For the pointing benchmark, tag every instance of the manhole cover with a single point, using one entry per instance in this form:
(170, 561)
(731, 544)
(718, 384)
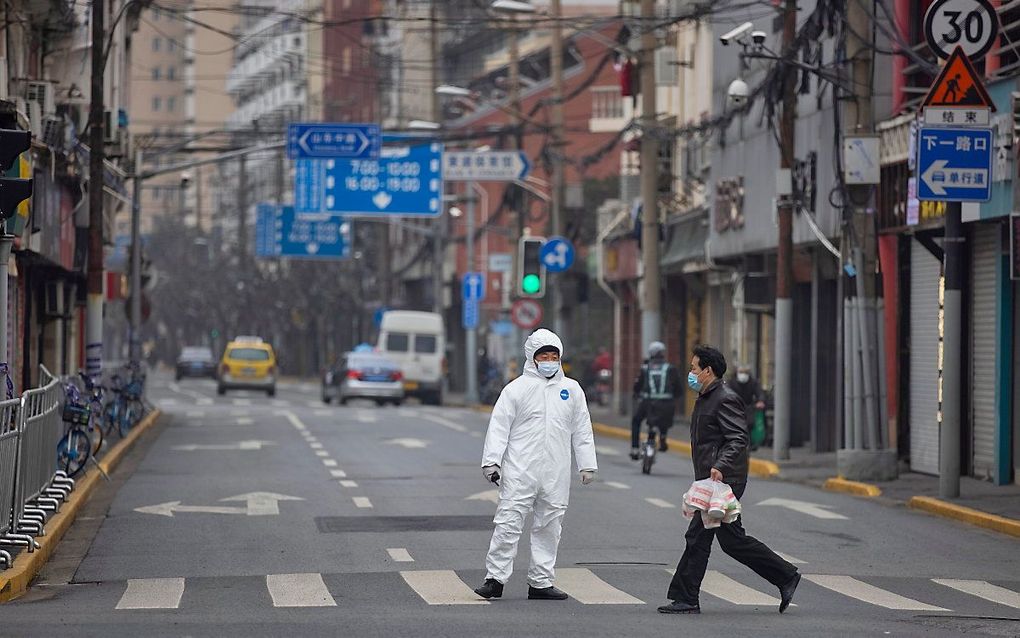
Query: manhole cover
(342, 524)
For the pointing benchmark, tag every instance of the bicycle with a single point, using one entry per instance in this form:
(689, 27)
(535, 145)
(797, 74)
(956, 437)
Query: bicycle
(648, 450)
(75, 448)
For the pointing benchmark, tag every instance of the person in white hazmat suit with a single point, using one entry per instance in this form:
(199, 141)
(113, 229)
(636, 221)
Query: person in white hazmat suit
(538, 419)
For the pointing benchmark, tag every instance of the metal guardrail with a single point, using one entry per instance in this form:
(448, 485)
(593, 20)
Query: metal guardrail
(9, 439)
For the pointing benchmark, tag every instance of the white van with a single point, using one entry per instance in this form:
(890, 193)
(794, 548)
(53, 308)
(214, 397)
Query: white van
(416, 341)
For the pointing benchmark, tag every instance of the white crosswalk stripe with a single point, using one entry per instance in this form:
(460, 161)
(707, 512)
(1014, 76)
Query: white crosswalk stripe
(349, 483)
(299, 590)
(618, 485)
(400, 555)
(152, 593)
(442, 587)
(363, 502)
(585, 587)
(722, 586)
(983, 589)
(658, 502)
(793, 560)
(862, 591)
(242, 401)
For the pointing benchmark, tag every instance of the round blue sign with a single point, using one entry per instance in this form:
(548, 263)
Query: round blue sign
(557, 254)
(564, 395)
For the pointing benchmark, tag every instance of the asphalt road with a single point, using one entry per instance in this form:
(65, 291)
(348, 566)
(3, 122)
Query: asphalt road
(251, 516)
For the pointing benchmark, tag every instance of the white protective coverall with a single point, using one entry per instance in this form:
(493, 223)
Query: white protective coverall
(534, 425)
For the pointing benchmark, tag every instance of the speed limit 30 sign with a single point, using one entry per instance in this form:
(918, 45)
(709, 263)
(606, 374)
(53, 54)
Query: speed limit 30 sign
(971, 25)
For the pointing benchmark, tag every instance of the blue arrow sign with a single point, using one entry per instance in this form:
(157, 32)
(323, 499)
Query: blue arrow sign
(473, 286)
(281, 232)
(325, 140)
(954, 164)
(405, 180)
(557, 254)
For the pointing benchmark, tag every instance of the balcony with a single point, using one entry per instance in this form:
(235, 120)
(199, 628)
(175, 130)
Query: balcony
(276, 53)
(277, 103)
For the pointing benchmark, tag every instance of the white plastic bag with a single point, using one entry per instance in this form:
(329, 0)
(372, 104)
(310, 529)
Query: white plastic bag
(714, 501)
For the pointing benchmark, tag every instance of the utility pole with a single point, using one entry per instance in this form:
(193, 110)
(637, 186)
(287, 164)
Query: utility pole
(784, 261)
(242, 211)
(471, 336)
(520, 196)
(135, 340)
(437, 226)
(651, 307)
(94, 277)
(558, 149)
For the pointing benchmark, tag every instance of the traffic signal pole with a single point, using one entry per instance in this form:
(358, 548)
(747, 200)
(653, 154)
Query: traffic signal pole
(558, 177)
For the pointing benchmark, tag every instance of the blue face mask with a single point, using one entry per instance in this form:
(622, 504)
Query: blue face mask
(548, 369)
(692, 380)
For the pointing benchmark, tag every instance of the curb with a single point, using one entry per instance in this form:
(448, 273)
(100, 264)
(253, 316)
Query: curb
(965, 514)
(14, 581)
(846, 486)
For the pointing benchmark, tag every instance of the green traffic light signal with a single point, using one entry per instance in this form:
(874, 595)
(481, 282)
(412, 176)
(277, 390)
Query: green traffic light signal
(531, 284)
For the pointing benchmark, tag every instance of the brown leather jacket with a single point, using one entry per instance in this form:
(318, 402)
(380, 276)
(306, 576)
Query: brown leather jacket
(719, 436)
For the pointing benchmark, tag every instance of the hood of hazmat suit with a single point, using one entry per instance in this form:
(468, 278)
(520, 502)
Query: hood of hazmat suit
(535, 425)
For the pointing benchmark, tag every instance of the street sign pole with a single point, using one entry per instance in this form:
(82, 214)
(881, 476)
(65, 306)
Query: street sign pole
(471, 336)
(952, 343)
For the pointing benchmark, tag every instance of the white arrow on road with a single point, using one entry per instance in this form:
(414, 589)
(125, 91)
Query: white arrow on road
(409, 443)
(240, 445)
(489, 495)
(811, 509)
(939, 187)
(256, 504)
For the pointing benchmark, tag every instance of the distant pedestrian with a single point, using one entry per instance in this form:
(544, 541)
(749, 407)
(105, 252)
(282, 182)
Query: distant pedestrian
(751, 395)
(719, 439)
(538, 420)
(658, 389)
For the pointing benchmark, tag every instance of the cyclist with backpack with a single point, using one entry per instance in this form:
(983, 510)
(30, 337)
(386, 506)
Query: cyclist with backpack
(658, 390)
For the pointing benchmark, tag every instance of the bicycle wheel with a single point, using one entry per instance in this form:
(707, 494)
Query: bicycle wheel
(96, 434)
(109, 417)
(73, 452)
(127, 418)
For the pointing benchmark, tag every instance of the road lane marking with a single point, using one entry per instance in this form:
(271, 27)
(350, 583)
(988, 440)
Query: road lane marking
(408, 443)
(242, 401)
(240, 445)
(204, 401)
(793, 560)
(849, 586)
(296, 422)
(607, 451)
(196, 415)
(364, 417)
(399, 555)
(338, 474)
(477, 435)
(724, 587)
(245, 420)
(618, 485)
(299, 590)
(983, 589)
(281, 403)
(349, 483)
(363, 502)
(488, 495)
(322, 453)
(329, 462)
(315, 446)
(446, 423)
(585, 587)
(309, 437)
(321, 412)
(811, 509)
(152, 593)
(442, 587)
(658, 502)
(240, 412)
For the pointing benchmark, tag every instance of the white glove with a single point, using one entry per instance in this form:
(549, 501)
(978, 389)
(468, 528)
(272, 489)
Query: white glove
(489, 471)
(587, 476)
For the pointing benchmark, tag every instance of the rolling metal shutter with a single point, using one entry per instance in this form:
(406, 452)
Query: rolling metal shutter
(983, 285)
(925, 271)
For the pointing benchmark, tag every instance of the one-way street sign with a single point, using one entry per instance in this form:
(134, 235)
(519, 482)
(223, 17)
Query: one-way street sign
(955, 164)
(488, 166)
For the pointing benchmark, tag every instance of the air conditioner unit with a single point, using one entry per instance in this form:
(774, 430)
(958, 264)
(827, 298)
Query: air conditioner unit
(42, 94)
(53, 131)
(53, 300)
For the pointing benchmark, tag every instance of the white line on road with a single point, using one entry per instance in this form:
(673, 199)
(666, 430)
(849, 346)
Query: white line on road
(442, 587)
(245, 420)
(196, 415)
(658, 502)
(618, 485)
(983, 589)
(724, 587)
(193, 395)
(607, 451)
(811, 509)
(204, 401)
(315, 446)
(321, 412)
(585, 587)
(314, 404)
(309, 437)
(849, 586)
(296, 422)
(281, 403)
(299, 590)
(240, 412)
(242, 401)
(329, 462)
(152, 593)
(349, 483)
(362, 502)
(322, 453)
(364, 417)
(793, 560)
(400, 555)
(446, 423)
(338, 474)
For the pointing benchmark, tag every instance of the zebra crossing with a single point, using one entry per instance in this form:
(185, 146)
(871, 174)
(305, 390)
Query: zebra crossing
(447, 587)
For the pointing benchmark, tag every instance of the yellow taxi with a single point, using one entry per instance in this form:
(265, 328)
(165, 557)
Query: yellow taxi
(248, 363)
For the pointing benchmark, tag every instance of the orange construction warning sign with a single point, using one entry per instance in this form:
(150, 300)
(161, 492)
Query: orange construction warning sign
(958, 85)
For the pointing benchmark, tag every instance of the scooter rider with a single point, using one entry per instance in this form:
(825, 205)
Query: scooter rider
(658, 387)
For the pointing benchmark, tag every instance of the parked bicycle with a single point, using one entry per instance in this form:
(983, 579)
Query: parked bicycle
(76, 446)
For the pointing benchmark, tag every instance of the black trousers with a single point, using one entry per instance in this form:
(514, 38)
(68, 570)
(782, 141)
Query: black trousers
(659, 414)
(686, 583)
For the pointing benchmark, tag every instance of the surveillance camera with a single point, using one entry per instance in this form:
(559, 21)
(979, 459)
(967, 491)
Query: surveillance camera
(758, 37)
(738, 32)
(738, 92)
(185, 179)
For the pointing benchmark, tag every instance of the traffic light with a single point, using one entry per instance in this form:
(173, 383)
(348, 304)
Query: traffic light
(532, 281)
(13, 190)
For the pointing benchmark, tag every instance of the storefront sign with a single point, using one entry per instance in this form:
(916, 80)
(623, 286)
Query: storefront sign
(920, 212)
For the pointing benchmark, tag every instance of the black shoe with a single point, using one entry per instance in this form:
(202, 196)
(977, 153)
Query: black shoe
(679, 607)
(662, 445)
(786, 592)
(635, 454)
(491, 589)
(545, 593)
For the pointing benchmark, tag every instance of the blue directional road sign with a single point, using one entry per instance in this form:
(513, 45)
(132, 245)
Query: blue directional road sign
(557, 254)
(282, 232)
(473, 286)
(321, 140)
(954, 164)
(469, 314)
(404, 181)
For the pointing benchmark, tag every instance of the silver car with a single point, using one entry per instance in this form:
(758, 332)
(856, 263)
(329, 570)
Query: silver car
(363, 375)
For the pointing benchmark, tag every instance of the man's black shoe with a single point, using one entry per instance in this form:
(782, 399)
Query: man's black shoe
(545, 593)
(662, 444)
(786, 592)
(679, 607)
(491, 589)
